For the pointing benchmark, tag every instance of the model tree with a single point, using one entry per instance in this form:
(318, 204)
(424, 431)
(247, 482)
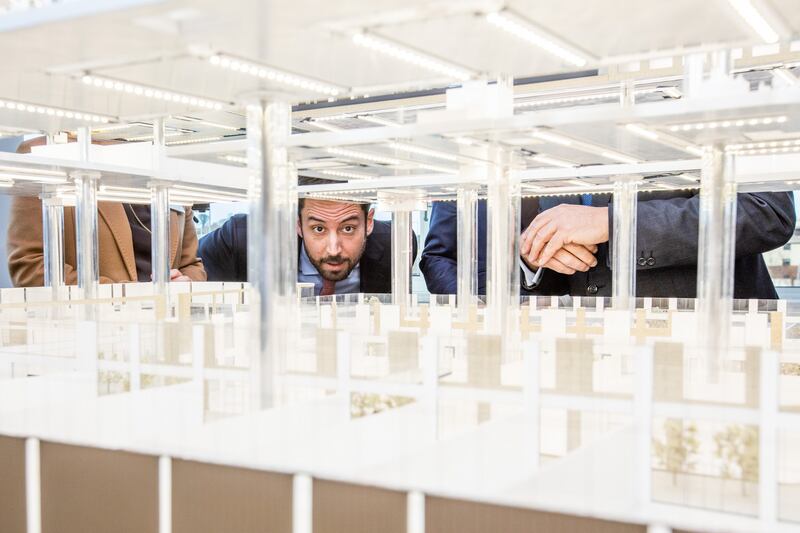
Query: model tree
(737, 447)
(680, 444)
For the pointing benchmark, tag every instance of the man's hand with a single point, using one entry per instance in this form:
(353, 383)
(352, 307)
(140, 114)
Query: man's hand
(570, 259)
(177, 275)
(563, 225)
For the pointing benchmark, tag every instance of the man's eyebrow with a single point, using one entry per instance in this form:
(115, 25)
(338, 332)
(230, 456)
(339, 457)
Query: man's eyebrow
(315, 219)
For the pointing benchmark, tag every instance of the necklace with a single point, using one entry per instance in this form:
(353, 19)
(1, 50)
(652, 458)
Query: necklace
(138, 219)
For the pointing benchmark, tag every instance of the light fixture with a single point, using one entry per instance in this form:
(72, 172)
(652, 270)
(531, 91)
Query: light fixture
(15, 105)
(786, 75)
(150, 137)
(378, 120)
(153, 93)
(672, 92)
(20, 175)
(346, 174)
(552, 137)
(528, 32)
(769, 151)
(552, 161)
(196, 140)
(324, 125)
(6, 183)
(763, 144)
(421, 150)
(755, 20)
(663, 138)
(276, 75)
(730, 123)
(207, 123)
(641, 131)
(583, 146)
(616, 156)
(409, 55)
(234, 159)
(365, 156)
(383, 160)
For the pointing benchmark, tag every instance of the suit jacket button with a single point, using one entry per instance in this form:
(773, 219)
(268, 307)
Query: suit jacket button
(591, 289)
(641, 261)
(651, 261)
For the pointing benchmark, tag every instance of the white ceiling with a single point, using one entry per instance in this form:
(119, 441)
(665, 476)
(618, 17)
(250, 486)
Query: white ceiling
(151, 43)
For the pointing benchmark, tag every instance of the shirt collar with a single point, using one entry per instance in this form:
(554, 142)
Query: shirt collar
(307, 268)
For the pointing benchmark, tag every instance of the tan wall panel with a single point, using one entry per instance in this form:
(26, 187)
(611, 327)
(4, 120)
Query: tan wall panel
(12, 485)
(213, 499)
(455, 516)
(345, 508)
(89, 490)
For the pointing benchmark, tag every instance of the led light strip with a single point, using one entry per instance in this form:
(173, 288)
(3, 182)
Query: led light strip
(346, 174)
(153, 93)
(234, 159)
(552, 161)
(414, 57)
(376, 158)
(19, 175)
(167, 135)
(589, 97)
(524, 30)
(208, 123)
(378, 120)
(54, 111)
(737, 123)
(787, 76)
(583, 146)
(197, 140)
(755, 20)
(769, 151)
(761, 145)
(420, 150)
(668, 140)
(282, 77)
(5, 184)
(365, 156)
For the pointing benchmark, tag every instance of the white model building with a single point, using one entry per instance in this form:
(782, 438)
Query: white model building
(164, 407)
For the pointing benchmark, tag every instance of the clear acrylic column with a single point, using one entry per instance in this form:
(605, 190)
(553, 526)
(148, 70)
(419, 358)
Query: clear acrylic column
(86, 232)
(159, 215)
(86, 220)
(159, 239)
(717, 241)
(53, 240)
(623, 246)
(272, 245)
(502, 242)
(402, 256)
(467, 239)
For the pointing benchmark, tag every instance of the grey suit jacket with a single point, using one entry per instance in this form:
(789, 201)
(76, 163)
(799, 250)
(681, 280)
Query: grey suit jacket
(666, 244)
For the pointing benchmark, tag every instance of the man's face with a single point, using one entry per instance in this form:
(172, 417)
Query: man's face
(334, 235)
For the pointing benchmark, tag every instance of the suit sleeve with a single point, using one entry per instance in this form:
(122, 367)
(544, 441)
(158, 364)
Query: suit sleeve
(668, 229)
(438, 263)
(191, 265)
(217, 251)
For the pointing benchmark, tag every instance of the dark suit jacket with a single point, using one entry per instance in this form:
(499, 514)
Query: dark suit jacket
(666, 241)
(224, 253)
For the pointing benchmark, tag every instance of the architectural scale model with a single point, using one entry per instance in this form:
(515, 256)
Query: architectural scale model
(203, 407)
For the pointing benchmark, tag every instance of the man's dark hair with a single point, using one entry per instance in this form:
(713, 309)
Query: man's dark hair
(309, 180)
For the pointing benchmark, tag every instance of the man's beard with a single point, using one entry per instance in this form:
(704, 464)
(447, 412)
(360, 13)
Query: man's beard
(337, 259)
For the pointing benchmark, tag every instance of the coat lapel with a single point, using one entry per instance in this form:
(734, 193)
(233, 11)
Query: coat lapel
(175, 231)
(113, 214)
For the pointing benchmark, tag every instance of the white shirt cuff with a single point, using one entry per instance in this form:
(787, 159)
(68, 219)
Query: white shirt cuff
(532, 278)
